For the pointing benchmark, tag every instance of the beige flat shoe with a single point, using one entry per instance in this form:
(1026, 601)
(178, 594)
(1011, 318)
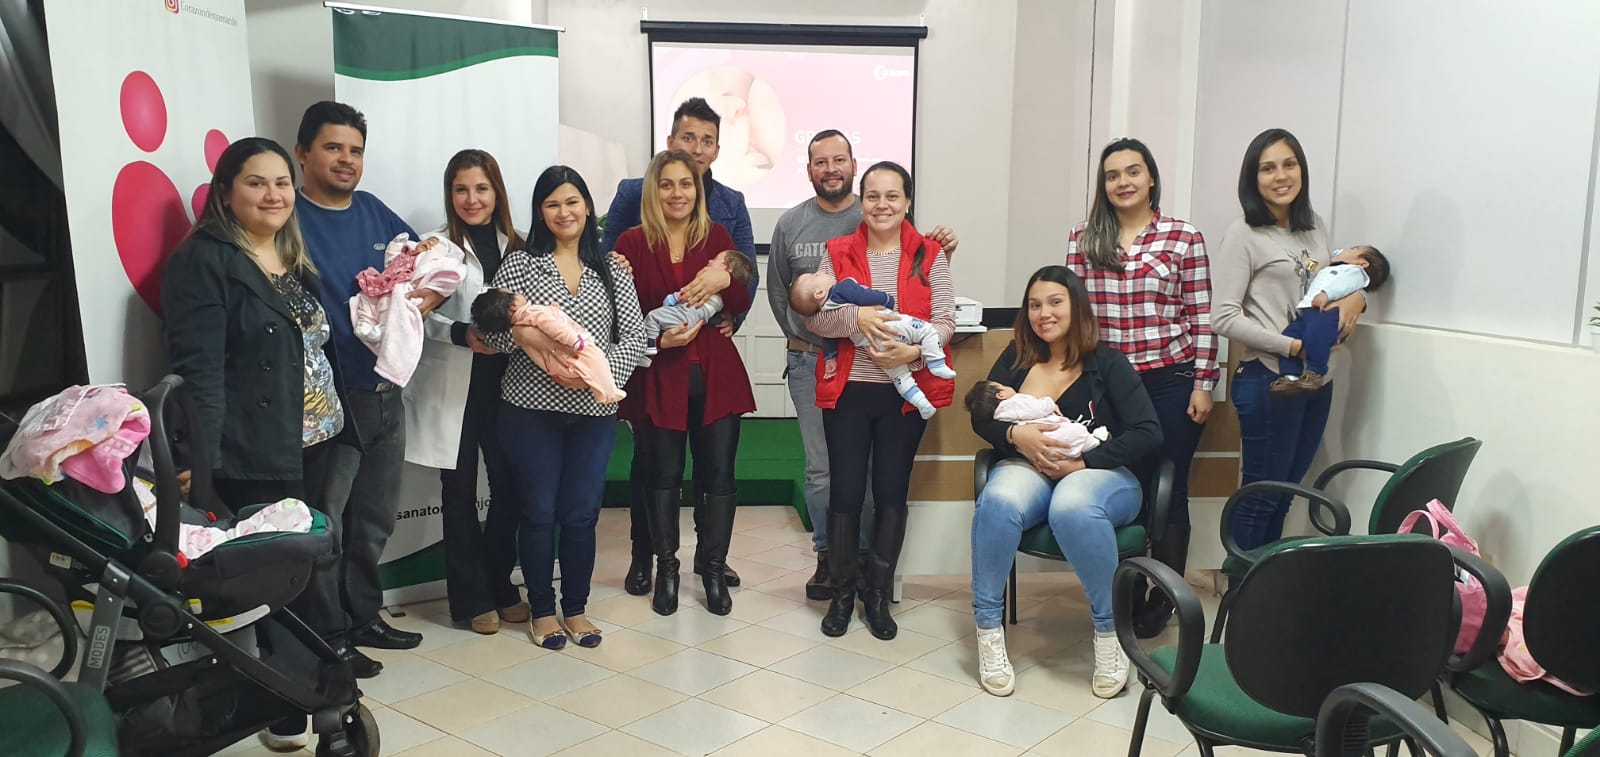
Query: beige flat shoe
(486, 623)
(517, 613)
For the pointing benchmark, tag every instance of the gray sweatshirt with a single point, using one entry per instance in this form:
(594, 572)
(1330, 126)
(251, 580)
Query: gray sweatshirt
(1258, 276)
(799, 240)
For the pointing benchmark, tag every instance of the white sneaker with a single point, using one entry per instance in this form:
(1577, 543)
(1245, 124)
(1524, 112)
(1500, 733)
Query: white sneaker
(1111, 667)
(994, 667)
(283, 743)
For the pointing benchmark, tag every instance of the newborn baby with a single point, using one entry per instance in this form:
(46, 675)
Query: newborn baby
(674, 313)
(384, 315)
(989, 400)
(501, 310)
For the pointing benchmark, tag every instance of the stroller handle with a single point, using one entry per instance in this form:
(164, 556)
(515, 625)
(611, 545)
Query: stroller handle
(169, 494)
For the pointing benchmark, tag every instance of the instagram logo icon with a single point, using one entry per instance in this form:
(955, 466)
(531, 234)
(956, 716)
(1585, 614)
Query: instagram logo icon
(172, 6)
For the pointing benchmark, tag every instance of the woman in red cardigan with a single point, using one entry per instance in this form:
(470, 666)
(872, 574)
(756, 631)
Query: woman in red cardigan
(696, 387)
(862, 413)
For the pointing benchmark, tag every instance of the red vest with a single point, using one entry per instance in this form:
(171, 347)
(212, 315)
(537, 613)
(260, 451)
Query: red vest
(913, 297)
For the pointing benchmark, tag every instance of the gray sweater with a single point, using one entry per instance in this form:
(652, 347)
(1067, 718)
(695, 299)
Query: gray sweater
(1258, 276)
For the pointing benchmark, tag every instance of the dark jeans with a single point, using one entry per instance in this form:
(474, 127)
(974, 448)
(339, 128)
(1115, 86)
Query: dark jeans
(360, 492)
(867, 421)
(1318, 332)
(558, 474)
(1169, 389)
(714, 446)
(1278, 435)
(318, 604)
(478, 557)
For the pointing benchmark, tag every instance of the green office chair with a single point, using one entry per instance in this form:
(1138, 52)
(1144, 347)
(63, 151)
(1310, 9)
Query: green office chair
(43, 716)
(1344, 725)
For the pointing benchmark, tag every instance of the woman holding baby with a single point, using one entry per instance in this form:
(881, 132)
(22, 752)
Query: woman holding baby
(556, 436)
(1057, 353)
(695, 387)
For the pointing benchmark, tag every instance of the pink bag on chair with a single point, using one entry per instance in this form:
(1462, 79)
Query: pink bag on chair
(1515, 657)
(1474, 603)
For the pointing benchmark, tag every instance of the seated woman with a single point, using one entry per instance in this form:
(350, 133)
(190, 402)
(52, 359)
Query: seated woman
(1057, 353)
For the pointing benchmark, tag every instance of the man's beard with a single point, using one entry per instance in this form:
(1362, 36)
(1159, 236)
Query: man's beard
(832, 195)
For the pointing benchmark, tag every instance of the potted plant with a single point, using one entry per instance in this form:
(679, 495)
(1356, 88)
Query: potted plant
(1594, 328)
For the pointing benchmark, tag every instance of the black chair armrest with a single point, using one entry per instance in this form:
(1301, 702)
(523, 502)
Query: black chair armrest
(28, 675)
(1159, 500)
(1319, 500)
(63, 619)
(1348, 706)
(1346, 465)
(1191, 623)
(981, 460)
(1498, 593)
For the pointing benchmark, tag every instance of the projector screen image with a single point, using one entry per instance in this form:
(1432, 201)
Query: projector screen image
(773, 99)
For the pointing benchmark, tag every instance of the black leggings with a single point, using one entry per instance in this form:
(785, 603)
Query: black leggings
(868, 424)
(714, 445)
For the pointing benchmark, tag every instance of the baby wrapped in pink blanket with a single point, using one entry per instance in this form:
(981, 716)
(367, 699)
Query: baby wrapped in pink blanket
(991, 400)
(501, 310)
(384, 314)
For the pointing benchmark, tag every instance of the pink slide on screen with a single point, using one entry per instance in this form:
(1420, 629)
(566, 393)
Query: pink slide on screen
(773, 101)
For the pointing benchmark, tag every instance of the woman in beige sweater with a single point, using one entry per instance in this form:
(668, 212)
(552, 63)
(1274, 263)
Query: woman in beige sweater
(1259, 274)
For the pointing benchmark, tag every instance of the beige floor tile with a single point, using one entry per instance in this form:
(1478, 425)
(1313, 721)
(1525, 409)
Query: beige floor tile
(911, 691)
(1005, 719)
(1090, 738)
(618, 701)
(695, 727)
(777, 741)
(549, 676)
(1060, 683)
(757, 646)
(752, 573)
(690, 626)
(752, 606)
(409, 676)
(533, 731)
(939, 622)
(624, 610)
(448, 746)
(852, 723)
(485, 654)
(744, 545)
(625, 650)
(616, 744)
(907, 645)
(831, 667)
(767, 695)
(399, 732)
(791, 586)
(693, 671)
(942, 740)
(788, 557)
(957, 662)
(805, 621)
(454, 709)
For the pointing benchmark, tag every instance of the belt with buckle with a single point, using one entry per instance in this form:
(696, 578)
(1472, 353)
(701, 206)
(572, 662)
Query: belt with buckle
(384, 386)
(801, 345)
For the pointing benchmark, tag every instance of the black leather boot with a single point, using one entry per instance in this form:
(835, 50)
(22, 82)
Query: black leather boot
(1173, 551)
(820, 586)
(728, 576)
(711, 552)
(888, 535)
(637, 582)
(844, 530)
(662, 508)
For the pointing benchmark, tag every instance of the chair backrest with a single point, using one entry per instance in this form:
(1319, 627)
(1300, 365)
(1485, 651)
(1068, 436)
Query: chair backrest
(1434, 473)
(1561, 618)
(1315, 615)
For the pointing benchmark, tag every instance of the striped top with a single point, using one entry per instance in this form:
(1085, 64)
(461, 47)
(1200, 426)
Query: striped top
(536, 277)
(840, 323)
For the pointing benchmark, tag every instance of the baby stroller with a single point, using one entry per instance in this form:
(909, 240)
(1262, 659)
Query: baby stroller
(192, 655)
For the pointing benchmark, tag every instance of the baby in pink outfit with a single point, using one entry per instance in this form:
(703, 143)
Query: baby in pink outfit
(384, 314)
(503, 310)
(991, 400)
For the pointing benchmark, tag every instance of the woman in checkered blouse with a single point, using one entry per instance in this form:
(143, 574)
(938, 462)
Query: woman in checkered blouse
(1150, 286)
(556, 437)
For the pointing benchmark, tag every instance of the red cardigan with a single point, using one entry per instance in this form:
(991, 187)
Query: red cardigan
(660, 394)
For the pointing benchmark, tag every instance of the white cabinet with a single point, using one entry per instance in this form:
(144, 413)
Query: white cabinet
(765, 351)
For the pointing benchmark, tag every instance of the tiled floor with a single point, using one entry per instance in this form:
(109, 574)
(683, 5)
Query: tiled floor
(762, 681)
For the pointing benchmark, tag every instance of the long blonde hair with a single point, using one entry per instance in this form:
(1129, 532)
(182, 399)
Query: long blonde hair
(651, 215)
(219, 219)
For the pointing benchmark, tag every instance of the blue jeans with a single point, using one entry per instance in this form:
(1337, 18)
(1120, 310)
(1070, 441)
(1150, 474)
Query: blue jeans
(1278, 437)
(558, 473)
(1084, 509)
(802, 376)
(1170, 389)
(1318, 332)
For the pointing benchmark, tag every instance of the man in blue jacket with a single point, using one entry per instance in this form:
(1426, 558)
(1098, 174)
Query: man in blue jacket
(695, 130)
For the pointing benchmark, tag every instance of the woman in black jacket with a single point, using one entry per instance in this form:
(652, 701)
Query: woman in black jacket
(248, 337)
(1057, 353)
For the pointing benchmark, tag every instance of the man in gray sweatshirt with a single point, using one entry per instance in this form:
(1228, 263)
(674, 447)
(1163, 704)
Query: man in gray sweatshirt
(799, 240)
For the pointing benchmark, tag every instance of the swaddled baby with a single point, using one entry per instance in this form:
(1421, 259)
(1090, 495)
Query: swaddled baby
(990, 400)
(383, 313)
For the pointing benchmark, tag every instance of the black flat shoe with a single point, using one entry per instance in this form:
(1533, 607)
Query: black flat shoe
(361, 665)
(380, 635)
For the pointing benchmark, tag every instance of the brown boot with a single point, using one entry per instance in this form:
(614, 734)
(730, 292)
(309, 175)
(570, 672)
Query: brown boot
(1310, 381)
(1286, 386)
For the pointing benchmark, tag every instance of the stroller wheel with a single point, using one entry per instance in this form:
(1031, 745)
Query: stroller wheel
(358, 739)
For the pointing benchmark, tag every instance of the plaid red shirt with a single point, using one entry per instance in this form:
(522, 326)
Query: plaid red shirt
(1157, 309)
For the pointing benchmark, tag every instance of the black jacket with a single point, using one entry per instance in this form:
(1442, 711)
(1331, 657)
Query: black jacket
(240, 352)
(1120, 401)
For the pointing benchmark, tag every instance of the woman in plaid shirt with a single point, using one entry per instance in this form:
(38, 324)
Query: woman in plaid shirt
(1150, 285)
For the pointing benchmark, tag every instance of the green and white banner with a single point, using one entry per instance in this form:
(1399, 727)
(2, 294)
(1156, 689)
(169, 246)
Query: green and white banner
(430, 86)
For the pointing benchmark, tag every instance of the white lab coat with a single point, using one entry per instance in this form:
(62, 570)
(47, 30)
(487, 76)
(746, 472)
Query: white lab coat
(436, 398)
